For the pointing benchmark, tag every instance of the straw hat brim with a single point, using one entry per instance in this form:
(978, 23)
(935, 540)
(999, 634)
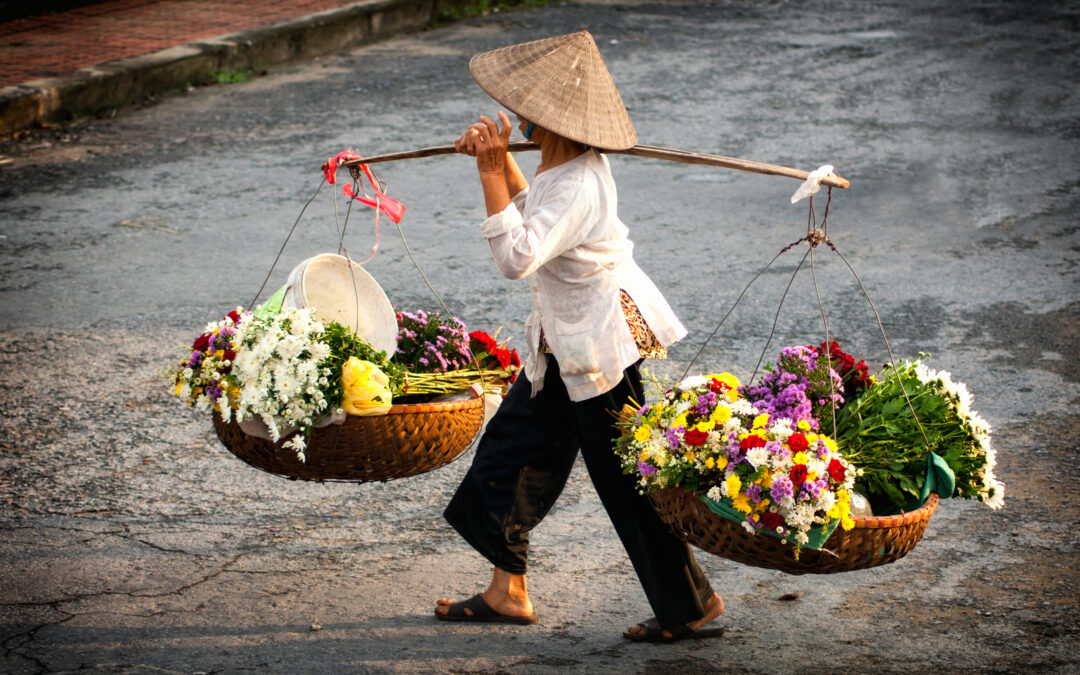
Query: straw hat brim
(560, 84)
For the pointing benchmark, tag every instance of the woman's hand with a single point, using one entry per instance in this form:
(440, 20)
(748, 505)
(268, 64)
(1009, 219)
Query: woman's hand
(487, 142)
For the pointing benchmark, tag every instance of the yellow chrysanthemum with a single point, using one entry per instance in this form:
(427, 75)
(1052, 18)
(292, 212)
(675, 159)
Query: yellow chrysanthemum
(641, 434)
(721, 463)
(690, 456)
(760, 421)
(710, 462)
(721, 415)
(800, 458)
(847, 523)
(705, 426)
(811, 438)
(742, 503)
(686, 395)
(833, 512)
(811, 475)
(830, 444)
(679, 421)
(766, 479)
(733, 485)
(803, 425)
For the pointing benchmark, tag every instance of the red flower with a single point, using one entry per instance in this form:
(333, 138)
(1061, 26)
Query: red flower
(514, 359)
(486, 342)
(234, 315)
(230, 355)
(695, 437)
(717, 386)
(836, 471)
(772, 520)
(201, 343)
(798, 474)
(752, 441)
(503, 357)
(797, 442)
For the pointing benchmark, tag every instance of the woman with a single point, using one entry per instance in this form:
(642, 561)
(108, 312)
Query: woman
(594, 316)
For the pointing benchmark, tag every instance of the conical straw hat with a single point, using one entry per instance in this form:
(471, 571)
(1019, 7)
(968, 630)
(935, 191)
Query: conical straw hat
(560, 84)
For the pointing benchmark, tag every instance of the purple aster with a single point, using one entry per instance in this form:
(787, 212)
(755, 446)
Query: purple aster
(753, 492)
(781, 488)
(672, 436)
(646, 469)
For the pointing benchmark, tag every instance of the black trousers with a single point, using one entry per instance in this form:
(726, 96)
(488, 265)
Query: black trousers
(521, 466)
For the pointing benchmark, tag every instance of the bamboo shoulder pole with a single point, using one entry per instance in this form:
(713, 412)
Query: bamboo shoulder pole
(650, 151)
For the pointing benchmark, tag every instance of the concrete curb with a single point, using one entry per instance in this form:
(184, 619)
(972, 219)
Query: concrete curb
(129, 80)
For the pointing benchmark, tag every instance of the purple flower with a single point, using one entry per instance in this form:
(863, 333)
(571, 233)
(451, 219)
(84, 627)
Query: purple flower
(781, 488)
(646, 469)
(673, 437)
(753, 492)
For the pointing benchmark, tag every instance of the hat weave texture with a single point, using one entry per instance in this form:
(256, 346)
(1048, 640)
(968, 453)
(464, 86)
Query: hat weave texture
(560, 84)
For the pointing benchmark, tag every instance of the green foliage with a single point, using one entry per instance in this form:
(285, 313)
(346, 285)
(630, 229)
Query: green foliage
(230, 75)
(343, 343)
(878, 433)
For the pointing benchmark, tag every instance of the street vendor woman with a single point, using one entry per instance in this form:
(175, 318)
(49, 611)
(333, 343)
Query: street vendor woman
(595, 315)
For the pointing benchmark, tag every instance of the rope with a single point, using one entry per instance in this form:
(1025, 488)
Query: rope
(282, 249)
(815, 236)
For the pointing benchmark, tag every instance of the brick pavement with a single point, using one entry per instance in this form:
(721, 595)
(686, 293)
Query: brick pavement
(55, 45)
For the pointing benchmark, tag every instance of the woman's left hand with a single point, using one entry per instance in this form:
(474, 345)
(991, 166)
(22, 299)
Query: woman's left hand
(489, 142)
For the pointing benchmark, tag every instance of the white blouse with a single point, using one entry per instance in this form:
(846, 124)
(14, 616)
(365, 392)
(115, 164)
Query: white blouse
(564, 234)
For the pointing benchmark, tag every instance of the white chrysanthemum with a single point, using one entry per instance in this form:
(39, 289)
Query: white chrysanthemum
(757, 457)
(715, 493)
(781, 429)
(694, 382)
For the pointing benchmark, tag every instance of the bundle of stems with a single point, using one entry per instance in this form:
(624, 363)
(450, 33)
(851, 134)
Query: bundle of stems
(454, 381)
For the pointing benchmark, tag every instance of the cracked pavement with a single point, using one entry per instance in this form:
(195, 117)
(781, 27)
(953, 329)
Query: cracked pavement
(132, 542)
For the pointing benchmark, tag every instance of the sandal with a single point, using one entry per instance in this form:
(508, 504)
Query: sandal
(477, 610)
(654, 633)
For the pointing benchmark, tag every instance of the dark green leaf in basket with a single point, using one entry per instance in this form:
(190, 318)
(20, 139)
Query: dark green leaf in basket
(893, 407)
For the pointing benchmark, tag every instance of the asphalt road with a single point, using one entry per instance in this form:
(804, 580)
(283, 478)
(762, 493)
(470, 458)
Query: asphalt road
(133, 542)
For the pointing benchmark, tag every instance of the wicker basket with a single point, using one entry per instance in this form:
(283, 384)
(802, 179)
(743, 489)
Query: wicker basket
(409, 440)
(875, 540)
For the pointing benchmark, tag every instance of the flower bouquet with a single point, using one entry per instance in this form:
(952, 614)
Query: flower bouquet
(758, 455)
(884, 437)
(770, 473)
(274, 378)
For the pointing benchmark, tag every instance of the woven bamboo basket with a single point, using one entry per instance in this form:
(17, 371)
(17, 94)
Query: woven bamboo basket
(409, 440)
(875, 540)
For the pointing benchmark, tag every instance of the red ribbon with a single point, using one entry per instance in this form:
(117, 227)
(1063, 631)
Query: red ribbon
(393, 209)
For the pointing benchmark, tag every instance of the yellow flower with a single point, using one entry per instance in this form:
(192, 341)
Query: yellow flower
(742, 503)
(690, 456)
(686, 395)
(733, 485)
(642, 433)
(679, 421)
(766, 479)
(847, 523)
(803, 425)
(830, 444)
(721, 415)
(760, 421)
(365, 388)
(710, 463)
(800, 458)
(811, 438)
(705, 426)
(811, 475)
(176, 391)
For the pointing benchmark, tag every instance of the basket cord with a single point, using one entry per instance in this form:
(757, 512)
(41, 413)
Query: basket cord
(284, 244)
(815, 236)
(355, 171)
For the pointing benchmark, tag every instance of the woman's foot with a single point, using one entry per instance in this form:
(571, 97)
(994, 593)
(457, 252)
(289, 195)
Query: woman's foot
(713, 609)
(506, 594)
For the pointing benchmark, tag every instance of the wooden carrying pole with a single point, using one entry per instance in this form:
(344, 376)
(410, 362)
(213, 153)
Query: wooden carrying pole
(650, 151)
